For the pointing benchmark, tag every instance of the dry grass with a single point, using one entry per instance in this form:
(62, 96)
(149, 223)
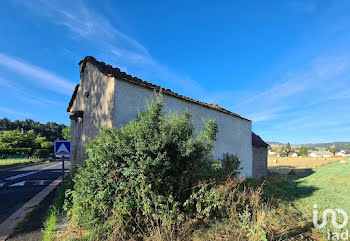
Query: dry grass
(284, 165)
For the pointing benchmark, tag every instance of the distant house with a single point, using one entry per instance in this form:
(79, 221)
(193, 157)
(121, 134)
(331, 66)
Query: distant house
(109, 97)
(293, 154)
(321, 154)
(342, 153)
(271, 152)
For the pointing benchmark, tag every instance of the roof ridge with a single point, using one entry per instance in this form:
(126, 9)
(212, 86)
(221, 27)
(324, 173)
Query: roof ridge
(109, 70)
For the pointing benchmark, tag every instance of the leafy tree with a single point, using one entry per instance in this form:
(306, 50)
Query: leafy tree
(150, 164)
(288, 148)
(303, 151)
(332, 149)
(17, 139)
(282, 152)
(285, 150)
(10, 141)
(51, 130)
(66, 133)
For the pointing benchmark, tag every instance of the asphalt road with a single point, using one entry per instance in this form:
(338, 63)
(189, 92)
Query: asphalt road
(19, 185)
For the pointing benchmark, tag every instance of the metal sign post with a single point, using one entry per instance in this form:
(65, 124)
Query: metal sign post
(62, 169)
(62, 149)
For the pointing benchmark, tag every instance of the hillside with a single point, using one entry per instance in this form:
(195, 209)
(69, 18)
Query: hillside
(337, 146)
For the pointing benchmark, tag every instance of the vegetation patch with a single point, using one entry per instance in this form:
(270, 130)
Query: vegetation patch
(4, 163)
(16, 141)
(51, 130)
(55, 210)
(331, 185)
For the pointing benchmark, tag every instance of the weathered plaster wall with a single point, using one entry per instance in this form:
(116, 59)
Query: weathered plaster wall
(98, 108)
(234, 134)
(259, 161)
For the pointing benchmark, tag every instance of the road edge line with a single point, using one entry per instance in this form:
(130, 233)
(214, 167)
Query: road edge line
(7, 227)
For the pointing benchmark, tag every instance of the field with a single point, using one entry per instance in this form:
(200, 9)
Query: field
(315, 181)
(284, 165)
(14, 162)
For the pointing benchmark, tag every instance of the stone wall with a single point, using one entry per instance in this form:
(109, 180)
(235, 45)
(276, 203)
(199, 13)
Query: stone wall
(95, 97)
(259, 161)
(234, 136)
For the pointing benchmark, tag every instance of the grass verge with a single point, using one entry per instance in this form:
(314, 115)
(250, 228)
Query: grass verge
(327, 186)
(55, 210)
(4, 163)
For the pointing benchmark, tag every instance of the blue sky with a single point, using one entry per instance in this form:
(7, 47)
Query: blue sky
(283, 64)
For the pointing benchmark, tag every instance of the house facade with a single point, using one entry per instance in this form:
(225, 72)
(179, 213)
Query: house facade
(342, 153)
(321, 154)
(108, 97)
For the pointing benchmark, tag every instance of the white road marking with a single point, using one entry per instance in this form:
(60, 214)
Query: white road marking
(20, 175)
(18, 184)
(29, 173)
(40, 183)
(2, 184)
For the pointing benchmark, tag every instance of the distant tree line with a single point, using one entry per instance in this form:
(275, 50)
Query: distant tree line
(51, 130)
(30, 138)
(332, 147)
(19, 144)
(303, 150)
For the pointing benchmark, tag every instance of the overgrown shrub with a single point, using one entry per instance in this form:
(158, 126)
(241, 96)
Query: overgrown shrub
(6, 153)
(41, 153)
(15, 150)
(142, 175)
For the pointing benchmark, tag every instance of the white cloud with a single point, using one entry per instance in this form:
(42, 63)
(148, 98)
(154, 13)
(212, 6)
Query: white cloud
(21, 93)
(268, 114)
(301, 89)
(16, 113)
(85, 23)
(39, 76)
(113, 45)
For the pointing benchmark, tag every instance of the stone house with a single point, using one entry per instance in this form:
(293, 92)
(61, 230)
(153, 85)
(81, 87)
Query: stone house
(108, 97)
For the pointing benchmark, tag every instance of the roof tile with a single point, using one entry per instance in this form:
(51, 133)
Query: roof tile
(115, 72)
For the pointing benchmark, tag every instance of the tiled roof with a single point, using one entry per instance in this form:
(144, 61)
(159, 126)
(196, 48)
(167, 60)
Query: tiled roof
(115, 72)
(257, 141)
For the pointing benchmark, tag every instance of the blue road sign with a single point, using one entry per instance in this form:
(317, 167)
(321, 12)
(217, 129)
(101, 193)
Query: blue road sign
(62, 148)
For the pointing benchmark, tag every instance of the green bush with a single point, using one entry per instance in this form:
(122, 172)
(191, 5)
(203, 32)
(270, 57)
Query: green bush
(6, 153)
(41, 153)
(15, 151)
(143, 173)
(303, 151)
